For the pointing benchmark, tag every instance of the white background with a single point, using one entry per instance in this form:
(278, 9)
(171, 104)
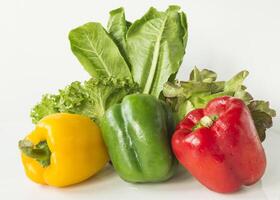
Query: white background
(35, 58)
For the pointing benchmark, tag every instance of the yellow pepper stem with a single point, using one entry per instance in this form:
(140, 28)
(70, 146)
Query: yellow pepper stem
(39, 152)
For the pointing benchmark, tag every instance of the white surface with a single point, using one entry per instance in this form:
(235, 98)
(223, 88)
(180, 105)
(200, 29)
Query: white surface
(35, 58)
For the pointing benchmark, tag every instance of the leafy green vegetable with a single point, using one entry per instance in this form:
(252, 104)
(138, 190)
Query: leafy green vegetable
(202, 87)
(262, 116)
(90, 99)
(97, 52)
(204, 75)
(117, 28)
(47, 106)
(152, 47)
(156, 46)
(262, 106)
(236, 82)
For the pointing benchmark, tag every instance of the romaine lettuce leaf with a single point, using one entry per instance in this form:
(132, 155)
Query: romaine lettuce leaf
(97, 52)
(117, 28)
(155, 47)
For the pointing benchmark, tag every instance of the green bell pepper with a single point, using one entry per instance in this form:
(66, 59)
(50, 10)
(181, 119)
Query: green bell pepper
(137, 134)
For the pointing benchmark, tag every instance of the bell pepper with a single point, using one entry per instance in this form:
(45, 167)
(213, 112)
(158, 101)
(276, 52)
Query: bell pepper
(137, 133)
(64, 149)
(219, 145)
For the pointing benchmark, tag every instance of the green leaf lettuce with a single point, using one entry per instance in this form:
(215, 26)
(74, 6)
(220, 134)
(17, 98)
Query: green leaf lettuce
(185, 96)
(91, 98)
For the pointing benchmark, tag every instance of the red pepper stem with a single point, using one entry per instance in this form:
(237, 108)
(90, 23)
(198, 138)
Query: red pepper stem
(206, 121)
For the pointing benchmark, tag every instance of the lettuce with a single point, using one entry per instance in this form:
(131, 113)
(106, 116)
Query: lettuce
(149, 50)
(184, 96)
(91, 98)
(97, 52)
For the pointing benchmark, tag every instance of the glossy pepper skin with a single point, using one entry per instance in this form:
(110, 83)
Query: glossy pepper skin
(76, 146)
(137, 134)
(225, 153)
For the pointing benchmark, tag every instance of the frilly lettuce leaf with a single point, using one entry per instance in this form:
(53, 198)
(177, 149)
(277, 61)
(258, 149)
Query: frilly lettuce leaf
(91, 98)
(262, 115)
(204, 75)
(184, 96)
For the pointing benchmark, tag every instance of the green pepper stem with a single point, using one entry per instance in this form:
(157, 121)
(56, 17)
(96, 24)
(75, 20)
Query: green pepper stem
(39, 152)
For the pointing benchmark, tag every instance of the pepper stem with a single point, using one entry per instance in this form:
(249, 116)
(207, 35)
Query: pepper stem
(39, 152)
(206, 121)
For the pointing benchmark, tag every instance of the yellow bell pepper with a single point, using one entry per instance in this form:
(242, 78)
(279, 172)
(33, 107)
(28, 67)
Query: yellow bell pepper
(64, 149)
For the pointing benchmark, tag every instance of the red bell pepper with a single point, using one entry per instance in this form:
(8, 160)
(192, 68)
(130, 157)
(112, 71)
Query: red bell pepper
(219, 145)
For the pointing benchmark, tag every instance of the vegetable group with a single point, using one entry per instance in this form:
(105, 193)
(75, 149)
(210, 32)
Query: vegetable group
(219, 145)
(64, 149)
(135, 100)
